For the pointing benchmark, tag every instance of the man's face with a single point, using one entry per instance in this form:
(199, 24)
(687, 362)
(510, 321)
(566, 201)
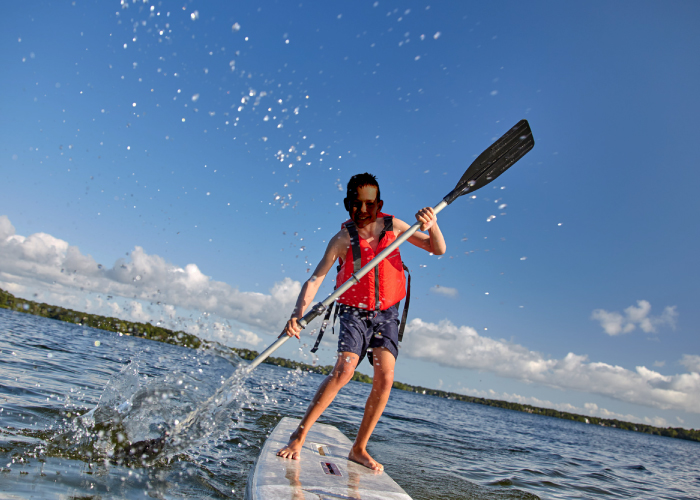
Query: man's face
(364, 208)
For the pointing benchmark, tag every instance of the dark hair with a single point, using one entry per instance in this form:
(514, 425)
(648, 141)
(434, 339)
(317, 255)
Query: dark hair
(356, 182)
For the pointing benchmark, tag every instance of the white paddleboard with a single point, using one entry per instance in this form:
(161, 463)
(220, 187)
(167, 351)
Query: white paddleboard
(323, 471)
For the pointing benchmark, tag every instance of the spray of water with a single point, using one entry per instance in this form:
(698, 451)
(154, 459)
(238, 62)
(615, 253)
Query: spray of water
(143, 419)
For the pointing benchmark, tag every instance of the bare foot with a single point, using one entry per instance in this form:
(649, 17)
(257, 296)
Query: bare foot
(363, 458)
(293, 448)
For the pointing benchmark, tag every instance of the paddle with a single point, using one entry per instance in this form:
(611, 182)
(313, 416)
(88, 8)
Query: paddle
(495, 160)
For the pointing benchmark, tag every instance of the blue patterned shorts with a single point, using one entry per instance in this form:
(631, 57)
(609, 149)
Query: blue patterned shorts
(362, 330)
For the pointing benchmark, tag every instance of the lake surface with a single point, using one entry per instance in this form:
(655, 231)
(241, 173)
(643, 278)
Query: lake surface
(71, 397)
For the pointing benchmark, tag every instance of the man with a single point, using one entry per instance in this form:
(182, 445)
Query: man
(368, 311)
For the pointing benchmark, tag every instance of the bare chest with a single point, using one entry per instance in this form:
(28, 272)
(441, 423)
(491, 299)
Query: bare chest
(371, 235)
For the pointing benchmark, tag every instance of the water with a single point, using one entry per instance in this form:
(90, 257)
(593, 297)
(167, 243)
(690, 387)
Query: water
(51, 372)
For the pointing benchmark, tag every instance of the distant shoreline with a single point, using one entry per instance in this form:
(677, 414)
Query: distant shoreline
(179, 338)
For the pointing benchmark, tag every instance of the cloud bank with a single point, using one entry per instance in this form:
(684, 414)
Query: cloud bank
(590, 409)
(462, 347)
(615, 323)
(43, 262)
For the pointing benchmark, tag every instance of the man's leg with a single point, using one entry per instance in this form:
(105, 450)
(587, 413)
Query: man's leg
(384, 362)
(326, 392)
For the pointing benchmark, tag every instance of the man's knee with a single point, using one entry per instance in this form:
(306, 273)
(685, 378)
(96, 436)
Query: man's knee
(383, 380)
(384, 362)
(343, 375)
(344, 368)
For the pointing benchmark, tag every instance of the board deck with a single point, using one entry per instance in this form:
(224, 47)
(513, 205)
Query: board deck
(322, 473)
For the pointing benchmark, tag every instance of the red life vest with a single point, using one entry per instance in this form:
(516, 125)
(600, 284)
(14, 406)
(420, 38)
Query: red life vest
(382, 287)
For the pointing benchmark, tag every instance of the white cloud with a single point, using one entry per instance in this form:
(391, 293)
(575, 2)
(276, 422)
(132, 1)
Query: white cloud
(462, 347)
(612, 322)
(137, 313)
(615, 323)
(589, 409)
(248, 337)
(444, 290)
(115, 309)
(595, 411)
(222, 332)
(691, 362)
(43, 262)
(656, 421)
(6, 228)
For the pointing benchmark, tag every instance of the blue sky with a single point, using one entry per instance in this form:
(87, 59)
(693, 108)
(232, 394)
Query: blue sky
(186, 163)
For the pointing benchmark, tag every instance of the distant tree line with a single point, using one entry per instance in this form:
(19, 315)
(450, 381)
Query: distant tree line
(151, 332)
(144, 330)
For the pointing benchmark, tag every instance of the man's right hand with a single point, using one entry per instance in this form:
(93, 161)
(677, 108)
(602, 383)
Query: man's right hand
(292, 329)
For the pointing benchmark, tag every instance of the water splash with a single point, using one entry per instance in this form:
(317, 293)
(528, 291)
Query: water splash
(144, 419)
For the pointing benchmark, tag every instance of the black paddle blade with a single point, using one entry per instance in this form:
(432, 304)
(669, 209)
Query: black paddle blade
(141, 451)
(498, 158)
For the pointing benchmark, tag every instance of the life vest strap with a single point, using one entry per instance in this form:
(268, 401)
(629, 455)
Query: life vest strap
(355, 245)
(324, 324)
(388, 226)
(404, 316)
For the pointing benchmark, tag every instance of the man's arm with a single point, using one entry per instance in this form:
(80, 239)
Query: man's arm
(337, 247)
(432, 242)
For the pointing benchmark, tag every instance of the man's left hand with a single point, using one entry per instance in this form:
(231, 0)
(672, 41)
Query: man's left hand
(426, 216)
